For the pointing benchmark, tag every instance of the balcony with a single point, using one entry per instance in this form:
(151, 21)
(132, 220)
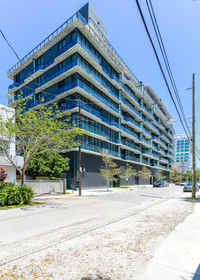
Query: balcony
(16, 84)
(98, 96)
(130, 106)
(145, 161)
(97, 149)
(99, 132)
(128, 119)
(131, 145)
(132, 158)
(145, 130)
(130, 132)
(96, 77)
(92, 111)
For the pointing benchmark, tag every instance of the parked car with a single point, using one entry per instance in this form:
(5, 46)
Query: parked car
(188, 187)
(166, 184)
(159, 183)
(183, 183)
(177, 183)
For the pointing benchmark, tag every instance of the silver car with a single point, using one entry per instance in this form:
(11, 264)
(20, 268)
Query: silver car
(188, 187)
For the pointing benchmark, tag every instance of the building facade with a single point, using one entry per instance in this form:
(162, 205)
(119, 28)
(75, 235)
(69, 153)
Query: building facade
(125, 118)
(183, 153)
(6, 112)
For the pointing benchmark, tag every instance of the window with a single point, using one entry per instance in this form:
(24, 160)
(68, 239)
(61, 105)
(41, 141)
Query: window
(39, 79)
(61, 84)
(17, 78)
(61, 65)
(73, 35)
(61, 45)
(39, 61)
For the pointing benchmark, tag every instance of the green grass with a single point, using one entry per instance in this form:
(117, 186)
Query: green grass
(19, 206)
(122, 187)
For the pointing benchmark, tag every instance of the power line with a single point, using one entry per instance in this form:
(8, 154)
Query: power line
(159, 63)
(164, 54)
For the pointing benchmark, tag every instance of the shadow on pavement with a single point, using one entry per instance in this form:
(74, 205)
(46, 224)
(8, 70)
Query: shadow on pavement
(151, 196)
(44, 205)
(98, 277)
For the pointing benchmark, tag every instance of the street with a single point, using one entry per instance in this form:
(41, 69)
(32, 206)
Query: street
(45, 229)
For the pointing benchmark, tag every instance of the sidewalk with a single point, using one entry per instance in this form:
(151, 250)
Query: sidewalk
(90, 191)
(179, 256)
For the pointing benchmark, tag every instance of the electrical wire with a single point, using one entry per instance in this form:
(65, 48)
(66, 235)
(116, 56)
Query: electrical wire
(164, 54)
(160, 66)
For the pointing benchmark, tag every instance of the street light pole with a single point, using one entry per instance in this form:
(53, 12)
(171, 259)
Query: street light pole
(194, 138)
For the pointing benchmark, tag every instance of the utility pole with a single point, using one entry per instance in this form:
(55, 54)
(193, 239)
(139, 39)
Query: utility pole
(80, 167)
(194, 138)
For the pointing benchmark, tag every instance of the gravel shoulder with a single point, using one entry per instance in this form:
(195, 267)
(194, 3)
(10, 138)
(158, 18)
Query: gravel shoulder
(119, 250)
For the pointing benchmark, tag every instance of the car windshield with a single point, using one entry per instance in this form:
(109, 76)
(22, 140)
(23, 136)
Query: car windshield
(189, 184)
(158, 182)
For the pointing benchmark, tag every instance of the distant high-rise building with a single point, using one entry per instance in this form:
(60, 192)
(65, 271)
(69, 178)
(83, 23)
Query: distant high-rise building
(125, 118)
(183, 153)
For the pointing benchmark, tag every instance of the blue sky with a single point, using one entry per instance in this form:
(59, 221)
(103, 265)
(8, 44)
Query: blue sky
(27, 23)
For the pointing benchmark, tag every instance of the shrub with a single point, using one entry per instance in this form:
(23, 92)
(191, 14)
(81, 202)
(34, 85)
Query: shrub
(16, 195)
(6, 184)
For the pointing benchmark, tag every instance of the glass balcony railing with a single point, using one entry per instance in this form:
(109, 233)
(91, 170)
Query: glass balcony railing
(97, 149)
(96, 77)
(92, 111)
(128, 119)
(130, 106)
(98, 96)
(130, 132)
(145, 161)
(146, 141)
(16, 84)
(131, 145)
(146, 131)
(90, 91)
(99, 132)
(132, 158)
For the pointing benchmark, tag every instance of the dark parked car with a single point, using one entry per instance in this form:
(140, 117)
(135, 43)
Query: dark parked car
(159, 183)
(188, 187)
(177, 183)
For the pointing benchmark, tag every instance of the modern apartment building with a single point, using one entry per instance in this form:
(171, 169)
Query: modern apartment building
(125, 118)
(183, 153)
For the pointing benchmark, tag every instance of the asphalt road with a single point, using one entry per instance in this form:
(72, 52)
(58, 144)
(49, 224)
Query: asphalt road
(20, 224)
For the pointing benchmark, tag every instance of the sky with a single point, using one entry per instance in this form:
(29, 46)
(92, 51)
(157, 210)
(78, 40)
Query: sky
(27, 23)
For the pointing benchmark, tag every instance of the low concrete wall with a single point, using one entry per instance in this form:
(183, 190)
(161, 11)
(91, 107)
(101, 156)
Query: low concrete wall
(41, 187)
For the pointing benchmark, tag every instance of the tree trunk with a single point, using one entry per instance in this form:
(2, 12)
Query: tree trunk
(22, 177)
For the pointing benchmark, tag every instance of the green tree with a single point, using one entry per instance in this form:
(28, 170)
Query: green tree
(175, 175)
(109, 169)
(36, 131)
(49, 164)
(144, 173)
(198, 175)
(187, 176)
(128, 172)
